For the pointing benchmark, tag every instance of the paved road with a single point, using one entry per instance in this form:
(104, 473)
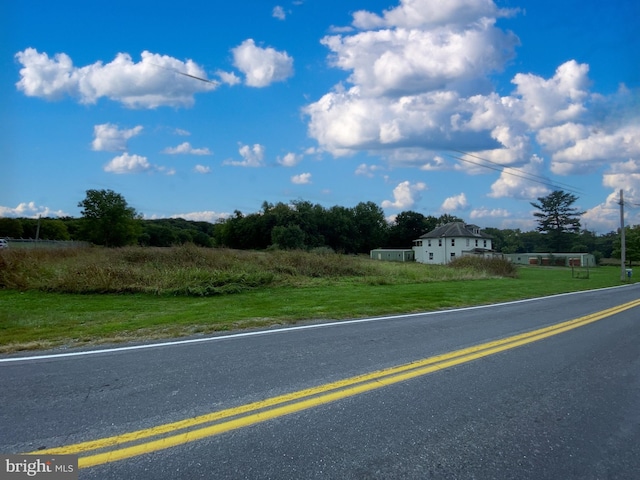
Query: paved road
(296, 406)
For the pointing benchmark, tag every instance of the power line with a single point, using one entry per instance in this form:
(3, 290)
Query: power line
(512, 171)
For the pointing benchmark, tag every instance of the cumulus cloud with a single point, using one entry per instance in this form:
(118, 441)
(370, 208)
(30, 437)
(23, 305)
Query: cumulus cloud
(261, 66)
(301, 179)
(558, 99)
(405, 195)
(185, 148)
(126, 163)
(203, 169)
(598, 148)
(228, 78)
(518, 183)
(156, 80)
(279, 13)
(419, 82)
(457, 202)
(251, 156)
(416, 83)
(290, 160)
(403, 61)
(108, 137)
(421, 13)
(605, 217)
(30, 210)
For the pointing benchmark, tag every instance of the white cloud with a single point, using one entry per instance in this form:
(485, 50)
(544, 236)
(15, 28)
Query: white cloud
(562, 136)
(522, 183)
(605, 217)
(182, 132)
(423, 13)
(557, 100)
(204, 216)
(479, 213)
(405, 195)
(400, 61)
(166, 170)
(598, 148)
(229, 78)
(457, 202)
(185, 148)
(30, 210)
(108, 137)
(156, 80)
(126, 163)
(262, 66)
(279, 13)
(252, 156)
(419, 82)
(367, 170)
(290, 160)
(203, 169)
(302, 179)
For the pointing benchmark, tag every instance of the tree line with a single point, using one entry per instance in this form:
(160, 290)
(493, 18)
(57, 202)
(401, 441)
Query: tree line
(108, 220)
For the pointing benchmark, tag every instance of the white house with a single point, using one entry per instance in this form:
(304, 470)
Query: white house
(450, 241)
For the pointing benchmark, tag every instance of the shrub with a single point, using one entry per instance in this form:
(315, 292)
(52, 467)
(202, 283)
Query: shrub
(498, 267)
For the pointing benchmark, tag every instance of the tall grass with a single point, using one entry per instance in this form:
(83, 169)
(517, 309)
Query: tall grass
(490, 267)
(194, 271)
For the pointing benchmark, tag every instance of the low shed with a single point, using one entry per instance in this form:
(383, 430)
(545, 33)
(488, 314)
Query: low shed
(553, 259)
(393, 255)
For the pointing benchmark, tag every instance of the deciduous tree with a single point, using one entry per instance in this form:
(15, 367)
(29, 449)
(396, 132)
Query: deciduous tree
(108, 220)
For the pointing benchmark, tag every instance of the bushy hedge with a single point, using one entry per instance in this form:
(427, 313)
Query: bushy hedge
(495, 266)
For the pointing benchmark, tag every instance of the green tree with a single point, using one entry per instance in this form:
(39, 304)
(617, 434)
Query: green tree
(632, 245)
(53, 229)
(339, 230)
(371, 226)
(11, 227)
(407, 227)
(108, 220)
(558, 219)
(290, 237)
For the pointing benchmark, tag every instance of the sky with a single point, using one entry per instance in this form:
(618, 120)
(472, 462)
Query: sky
(473, 108)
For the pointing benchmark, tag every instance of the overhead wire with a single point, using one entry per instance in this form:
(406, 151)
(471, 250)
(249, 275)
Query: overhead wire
(512, 171)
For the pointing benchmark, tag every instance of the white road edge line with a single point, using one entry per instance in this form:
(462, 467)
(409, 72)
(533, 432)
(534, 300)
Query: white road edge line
(283, 330)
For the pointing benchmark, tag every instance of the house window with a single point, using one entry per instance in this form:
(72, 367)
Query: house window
(453, 255)
(453, 242)
(428, 243)
(430, 255)
(476, 243)
(485, 244)
(468, 242)
(439, 242)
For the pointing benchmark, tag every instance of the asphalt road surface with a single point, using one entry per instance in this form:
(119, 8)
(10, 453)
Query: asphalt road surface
(543, 389)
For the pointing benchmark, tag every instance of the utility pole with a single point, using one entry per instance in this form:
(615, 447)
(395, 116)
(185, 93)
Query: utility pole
(38, 230)
(623, 271)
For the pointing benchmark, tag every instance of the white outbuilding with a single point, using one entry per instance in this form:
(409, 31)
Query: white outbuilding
(450, 241)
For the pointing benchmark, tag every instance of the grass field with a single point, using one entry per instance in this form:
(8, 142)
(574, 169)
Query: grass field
(90, 296)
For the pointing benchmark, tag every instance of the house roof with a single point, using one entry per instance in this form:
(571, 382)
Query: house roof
(456, 230)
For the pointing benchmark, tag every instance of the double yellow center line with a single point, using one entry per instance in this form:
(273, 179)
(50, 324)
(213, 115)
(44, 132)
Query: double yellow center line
(169, 435)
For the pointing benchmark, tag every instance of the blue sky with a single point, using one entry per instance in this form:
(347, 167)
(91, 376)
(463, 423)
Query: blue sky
(469, 107)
